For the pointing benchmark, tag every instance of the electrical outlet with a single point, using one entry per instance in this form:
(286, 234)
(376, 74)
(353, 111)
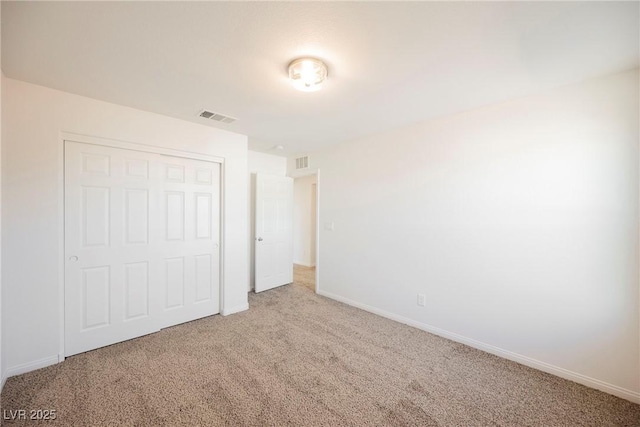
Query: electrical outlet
(421, 300)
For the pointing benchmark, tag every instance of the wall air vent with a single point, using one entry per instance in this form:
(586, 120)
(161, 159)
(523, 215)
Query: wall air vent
(302, 162)
(216, 116)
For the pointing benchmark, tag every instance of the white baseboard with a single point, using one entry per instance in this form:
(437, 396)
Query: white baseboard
(30, 366)
(2, 381)
(506, 354)
(236, 309)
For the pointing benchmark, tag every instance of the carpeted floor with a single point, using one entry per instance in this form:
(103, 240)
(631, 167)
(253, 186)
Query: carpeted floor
(296, 358)
(305, 276)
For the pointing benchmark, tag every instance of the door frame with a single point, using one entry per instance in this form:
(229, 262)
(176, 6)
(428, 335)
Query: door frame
(302, 174)
(113, 143)
(318, 231)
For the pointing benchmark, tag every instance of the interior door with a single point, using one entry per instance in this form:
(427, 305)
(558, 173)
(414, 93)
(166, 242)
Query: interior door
(141, 243)
(189, 245)
(274, 231)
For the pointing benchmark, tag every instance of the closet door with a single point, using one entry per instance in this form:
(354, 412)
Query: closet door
(189, 240)
(141, 243)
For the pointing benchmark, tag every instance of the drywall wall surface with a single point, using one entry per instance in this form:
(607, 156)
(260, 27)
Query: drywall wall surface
(518, 222)
(259, 163)
(32, 181)
(2, 370)
(266, 163)
(303, 221)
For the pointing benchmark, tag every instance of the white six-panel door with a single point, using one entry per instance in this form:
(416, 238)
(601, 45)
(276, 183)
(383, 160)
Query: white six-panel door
(189, 247)
(141, 243)
(274, 231)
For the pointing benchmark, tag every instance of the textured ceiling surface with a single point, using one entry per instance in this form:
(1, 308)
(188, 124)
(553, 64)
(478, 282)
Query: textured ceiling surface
(390, 63)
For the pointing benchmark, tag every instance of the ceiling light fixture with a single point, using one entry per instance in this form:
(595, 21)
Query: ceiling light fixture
(307, 74)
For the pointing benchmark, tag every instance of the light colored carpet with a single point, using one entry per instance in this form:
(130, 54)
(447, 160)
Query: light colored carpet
(296, 358)
(305, 276)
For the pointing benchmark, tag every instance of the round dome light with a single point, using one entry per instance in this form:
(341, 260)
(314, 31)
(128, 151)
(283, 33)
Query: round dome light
(307, 74)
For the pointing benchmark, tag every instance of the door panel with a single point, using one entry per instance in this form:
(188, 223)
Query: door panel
(175, 283)
(175, 215)
(274, 231)
(96, 297)
(190, 246)
(141, 243)
(203, 277)
(136, 281)
(96, 215)
(136, 213)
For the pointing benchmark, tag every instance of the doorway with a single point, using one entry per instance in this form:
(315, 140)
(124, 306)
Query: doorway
(305, 239)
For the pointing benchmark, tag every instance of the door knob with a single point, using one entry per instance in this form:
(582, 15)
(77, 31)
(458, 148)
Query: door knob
(259, 239)
(73, 258)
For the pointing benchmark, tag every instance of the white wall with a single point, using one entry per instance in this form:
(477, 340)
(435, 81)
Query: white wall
(33, 117)
(303, 221)
(518, 221)
(259, 163)
(2, 370)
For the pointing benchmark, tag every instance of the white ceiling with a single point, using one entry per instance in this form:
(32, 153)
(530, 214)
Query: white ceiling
(390, 64)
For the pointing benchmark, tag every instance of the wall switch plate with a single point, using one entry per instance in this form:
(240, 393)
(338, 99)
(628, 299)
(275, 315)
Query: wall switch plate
(422, 300)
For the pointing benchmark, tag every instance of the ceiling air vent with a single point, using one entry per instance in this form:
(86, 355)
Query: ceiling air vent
(302, 162)
(216, 116)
